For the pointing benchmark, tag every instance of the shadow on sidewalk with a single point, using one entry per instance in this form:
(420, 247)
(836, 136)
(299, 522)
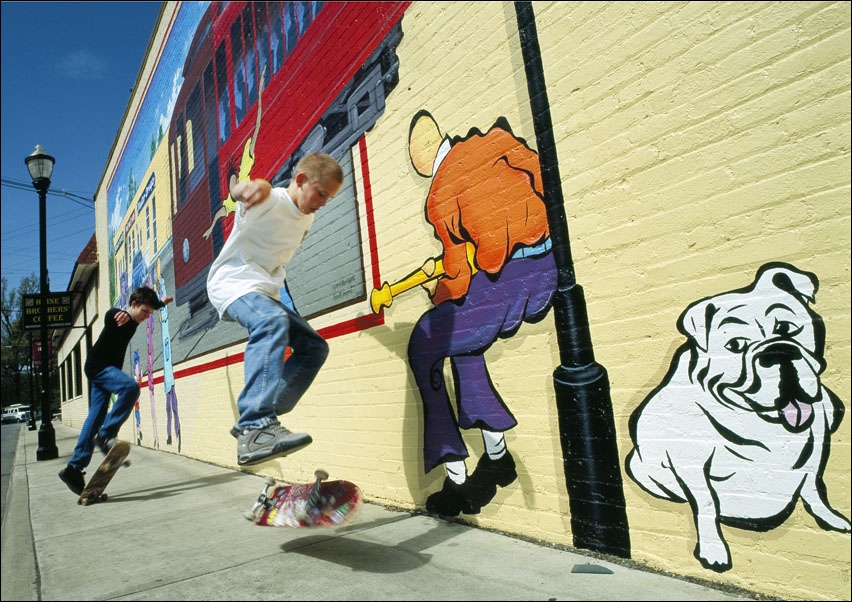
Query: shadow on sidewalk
(165, 491)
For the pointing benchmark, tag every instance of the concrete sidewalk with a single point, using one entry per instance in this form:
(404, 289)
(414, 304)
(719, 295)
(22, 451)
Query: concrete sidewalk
(173, 529)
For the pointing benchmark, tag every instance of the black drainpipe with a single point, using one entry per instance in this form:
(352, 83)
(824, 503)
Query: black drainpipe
(586, 423)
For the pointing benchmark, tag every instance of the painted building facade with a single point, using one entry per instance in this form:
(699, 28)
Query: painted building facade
(649, 361)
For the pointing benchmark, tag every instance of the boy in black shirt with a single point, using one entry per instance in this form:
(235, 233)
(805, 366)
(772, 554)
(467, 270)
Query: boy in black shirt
(104, 370)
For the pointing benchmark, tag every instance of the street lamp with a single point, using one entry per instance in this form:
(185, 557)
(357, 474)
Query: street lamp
(583, 403)
(40, 166)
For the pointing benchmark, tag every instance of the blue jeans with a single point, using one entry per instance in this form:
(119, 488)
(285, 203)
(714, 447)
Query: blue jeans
(108, 381)
(273, 386)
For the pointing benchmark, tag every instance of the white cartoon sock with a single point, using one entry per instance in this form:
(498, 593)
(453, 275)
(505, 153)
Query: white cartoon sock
(495, 444)
(457, 471)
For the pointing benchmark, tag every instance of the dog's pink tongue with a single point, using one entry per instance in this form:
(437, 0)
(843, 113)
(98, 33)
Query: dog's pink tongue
(796, 412)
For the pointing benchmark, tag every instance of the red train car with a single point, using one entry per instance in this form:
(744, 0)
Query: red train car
(327, 66)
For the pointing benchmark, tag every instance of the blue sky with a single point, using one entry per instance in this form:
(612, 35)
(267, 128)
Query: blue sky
(67, 72)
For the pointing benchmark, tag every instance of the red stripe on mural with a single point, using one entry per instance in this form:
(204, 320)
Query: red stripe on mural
(368, 209)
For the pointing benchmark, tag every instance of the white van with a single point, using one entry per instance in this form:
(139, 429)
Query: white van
(16, 413)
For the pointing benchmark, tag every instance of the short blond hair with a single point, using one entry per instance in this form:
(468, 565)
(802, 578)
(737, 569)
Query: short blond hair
(319, 167)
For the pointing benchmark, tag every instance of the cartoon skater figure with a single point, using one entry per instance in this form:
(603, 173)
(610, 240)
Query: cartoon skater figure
(137, 414)
(486, 206)
(149, 330)
(168, 368)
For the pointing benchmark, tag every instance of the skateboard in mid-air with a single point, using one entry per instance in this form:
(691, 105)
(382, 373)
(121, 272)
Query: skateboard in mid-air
(94, 490)
(319, 504)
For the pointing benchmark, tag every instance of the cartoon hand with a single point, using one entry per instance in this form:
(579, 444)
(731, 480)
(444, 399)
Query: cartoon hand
(429, 267)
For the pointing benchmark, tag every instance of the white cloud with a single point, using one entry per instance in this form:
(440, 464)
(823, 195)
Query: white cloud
(82, 64)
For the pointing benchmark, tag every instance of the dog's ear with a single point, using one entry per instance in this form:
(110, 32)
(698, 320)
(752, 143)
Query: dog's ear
(784, 277)
(695, 322)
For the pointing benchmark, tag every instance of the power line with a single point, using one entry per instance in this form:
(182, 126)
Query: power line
(20, 257)
(89, 201)
(52, 222)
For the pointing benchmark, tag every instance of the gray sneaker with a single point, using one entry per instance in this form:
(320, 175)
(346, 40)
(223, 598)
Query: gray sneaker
(105, 443)
(272, 441)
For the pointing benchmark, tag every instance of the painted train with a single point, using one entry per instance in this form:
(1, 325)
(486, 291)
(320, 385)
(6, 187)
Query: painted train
(263, 84)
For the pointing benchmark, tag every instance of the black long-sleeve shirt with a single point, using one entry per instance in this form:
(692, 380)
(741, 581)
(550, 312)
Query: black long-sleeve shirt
(111, 345)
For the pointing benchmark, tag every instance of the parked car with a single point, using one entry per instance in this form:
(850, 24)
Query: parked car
(16, 413)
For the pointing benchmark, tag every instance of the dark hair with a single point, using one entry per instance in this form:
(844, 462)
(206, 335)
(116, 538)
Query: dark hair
(146, 296)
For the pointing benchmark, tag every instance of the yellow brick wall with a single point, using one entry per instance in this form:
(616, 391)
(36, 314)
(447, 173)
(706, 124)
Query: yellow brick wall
(696, 142)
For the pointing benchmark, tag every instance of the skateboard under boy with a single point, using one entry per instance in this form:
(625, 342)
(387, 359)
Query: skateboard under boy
(319, 504)
(94, 490)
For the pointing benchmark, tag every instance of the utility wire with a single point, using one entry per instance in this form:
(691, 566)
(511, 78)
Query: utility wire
(89, 201)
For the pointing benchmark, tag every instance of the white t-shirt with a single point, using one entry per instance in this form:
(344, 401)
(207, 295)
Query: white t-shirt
(262, 242)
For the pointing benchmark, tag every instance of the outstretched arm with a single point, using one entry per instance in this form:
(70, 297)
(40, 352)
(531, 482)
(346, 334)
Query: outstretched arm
(250, 192)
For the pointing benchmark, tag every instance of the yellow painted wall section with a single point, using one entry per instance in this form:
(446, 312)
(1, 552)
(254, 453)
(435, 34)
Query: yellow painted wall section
(696, 143)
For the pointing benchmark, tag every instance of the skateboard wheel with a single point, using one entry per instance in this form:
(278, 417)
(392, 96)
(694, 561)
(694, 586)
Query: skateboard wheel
(104, 497)
(249, 516)
(321, 475)
(127, 462)
(270, 481)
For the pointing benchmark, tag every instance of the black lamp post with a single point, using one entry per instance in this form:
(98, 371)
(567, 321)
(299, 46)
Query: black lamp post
(40, 166)
(583, 404)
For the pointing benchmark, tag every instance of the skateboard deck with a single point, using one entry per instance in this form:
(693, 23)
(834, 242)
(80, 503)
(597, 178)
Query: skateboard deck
(319, 504)
(94, 490)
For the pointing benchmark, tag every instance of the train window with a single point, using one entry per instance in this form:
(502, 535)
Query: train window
(174, 172)
(304, 14)
(195, 138)
(291, 29)
(262, 28)
(239, 67)
(224, 100)
(181, 161)
(276, 36)
(190, 148)
(210, 112)
(250, 55)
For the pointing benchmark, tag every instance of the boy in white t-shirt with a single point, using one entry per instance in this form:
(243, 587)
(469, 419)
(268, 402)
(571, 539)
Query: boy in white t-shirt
(244, 285)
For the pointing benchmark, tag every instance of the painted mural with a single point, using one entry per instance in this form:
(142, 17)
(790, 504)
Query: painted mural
(740, 428)
(496, 271)
(137, 409)
(172, 417)
(225, 103)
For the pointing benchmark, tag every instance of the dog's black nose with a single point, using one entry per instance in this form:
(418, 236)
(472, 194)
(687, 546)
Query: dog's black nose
(779, 353)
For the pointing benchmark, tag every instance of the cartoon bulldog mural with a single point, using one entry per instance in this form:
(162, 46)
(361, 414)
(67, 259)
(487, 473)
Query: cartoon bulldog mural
(740, 426)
